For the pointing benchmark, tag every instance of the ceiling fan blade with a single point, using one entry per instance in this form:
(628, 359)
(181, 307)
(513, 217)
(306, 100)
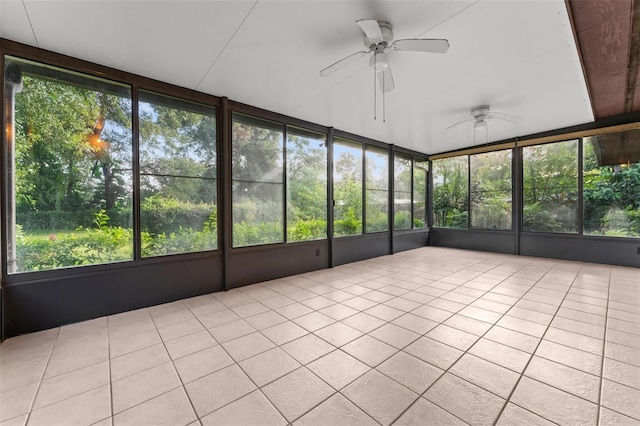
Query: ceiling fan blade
(385, 78)
(460, 123)
(371, 29)
(515, 119)
(431, 45)
(342, 63)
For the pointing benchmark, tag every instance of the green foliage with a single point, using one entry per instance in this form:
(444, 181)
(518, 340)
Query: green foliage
(537, 218)
(251, 234)
(450, 189)
(162, 215)
(611, 199)
(550, 174)
(103, 244)
(307, 230)
(101, 220)
(456, 219)
(402, 219)
(350, 224)
(491, 190)
(492, 212)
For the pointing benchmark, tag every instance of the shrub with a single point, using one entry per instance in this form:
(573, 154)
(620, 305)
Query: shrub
(249, 234)
(348, 225)
(402, 219)
(535, 218)
(305, 230)
(160, 215)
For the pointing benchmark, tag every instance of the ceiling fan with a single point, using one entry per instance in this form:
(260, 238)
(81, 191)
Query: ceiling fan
(378, 37)
(480, 116)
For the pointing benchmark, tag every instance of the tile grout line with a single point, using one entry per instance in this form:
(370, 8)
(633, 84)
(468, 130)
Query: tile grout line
(532, 354)
(44, 370)
(236, 363)
(110, 381)
(175, 370)
(604, 346)
(467, 350)
(535, 350)
(405, 312)
(390, 322)
(531, 287)
(336, 348)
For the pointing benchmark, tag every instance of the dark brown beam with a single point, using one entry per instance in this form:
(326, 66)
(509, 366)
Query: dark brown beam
(634, 59)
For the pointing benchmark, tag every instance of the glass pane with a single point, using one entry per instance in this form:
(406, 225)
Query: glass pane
(402, 192)
(70, 196)
(178, 176)
(450, 189)
(377, 168)
(550, 183)
(611, 182)
(420, 170)
(491, 190)
(347, 188)
(306, 185)
(257, 170)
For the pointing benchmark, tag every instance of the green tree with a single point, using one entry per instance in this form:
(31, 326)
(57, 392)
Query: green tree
(347, 190)
(550, 183)
(450, 189)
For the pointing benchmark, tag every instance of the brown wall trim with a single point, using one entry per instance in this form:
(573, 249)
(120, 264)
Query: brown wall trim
(471, 151)
(587, 129)
(580, 134)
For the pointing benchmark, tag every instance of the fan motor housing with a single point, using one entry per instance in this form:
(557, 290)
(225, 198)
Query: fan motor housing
(480, 111)
(387, 36)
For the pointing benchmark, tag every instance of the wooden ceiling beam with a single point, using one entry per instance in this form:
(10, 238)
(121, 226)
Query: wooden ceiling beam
(603, 30)
(634, 58)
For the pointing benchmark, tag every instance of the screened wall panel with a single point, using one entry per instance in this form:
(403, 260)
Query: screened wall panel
(490, 191)
(257, 181)
(69, 169)
(377, 189)
(347, 187)
(178, 208)
(420, 174)
(611, 185)
(450, 192)
(550, 187)
(306, 185)
(402, 193)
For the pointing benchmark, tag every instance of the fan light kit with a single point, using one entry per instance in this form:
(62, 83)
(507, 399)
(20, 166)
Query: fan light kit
(480, 117)
(378, 37)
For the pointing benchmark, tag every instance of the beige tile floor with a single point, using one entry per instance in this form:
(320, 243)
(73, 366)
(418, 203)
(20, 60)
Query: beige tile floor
(430, 336)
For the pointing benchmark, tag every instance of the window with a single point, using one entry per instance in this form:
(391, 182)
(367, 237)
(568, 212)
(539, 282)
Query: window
(347, 190)
(306, 185)
(420, 170)
(450, 192)
(402, 195)
(550, 184)
(257, 181)
(377, 189)
(70, 193)
(177, 176)
(611, 185)
(491, 190)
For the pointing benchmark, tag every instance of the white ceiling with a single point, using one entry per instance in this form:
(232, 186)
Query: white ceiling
(517, 56)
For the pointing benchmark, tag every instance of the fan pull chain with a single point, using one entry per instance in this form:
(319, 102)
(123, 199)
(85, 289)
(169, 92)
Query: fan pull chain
(384, 111)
